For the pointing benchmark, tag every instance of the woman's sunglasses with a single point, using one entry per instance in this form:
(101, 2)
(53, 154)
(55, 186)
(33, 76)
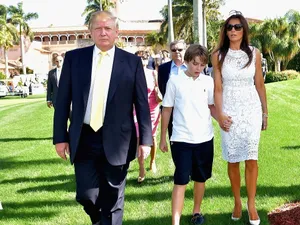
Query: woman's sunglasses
(237, 27)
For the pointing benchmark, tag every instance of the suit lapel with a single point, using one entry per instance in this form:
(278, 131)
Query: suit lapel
(85, 69)
(116, 73)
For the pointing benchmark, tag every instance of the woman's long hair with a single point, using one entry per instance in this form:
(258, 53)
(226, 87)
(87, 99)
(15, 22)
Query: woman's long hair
(224, 41)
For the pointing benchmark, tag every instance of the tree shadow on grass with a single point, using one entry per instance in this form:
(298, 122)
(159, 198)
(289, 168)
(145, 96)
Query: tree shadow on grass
(295, 147)
(24, 139)
(10, 214)
(68, 186)
(17, 210)
(70, 178)
(214, 218)
(11, 162)
(149, 181)
(38, 204)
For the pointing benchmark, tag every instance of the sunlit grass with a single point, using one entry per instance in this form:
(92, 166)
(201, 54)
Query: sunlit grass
(36, 187)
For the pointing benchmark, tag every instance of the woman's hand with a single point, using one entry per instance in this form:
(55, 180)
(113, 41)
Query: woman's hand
(264, 121)
(225, 122)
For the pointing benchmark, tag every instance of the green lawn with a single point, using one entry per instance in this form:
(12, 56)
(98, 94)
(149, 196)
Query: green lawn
(36, 187)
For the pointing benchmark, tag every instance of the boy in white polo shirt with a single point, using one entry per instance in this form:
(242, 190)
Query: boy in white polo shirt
(191, 97)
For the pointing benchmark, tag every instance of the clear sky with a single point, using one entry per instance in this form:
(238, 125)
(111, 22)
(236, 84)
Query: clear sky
(68, 12)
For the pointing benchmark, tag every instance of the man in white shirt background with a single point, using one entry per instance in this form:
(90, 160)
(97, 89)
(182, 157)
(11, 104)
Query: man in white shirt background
(171, 68)
(53, 80)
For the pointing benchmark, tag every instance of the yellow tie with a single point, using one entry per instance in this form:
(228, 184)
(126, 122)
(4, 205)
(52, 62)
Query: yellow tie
(98, 96)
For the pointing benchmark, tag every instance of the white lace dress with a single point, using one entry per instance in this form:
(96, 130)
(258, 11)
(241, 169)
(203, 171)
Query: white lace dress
(242, 103)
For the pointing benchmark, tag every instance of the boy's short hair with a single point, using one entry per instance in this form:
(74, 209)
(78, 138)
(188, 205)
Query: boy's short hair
(195, 50)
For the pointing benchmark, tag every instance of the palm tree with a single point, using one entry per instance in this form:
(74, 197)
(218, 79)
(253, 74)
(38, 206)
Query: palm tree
(170, 24)
(184, 24)
(94, 6)
(8, 35)
(20, 18)
(278, 38)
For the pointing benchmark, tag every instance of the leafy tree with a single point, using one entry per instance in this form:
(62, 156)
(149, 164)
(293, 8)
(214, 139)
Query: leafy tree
(19, 18)
(278, 38)
(8, 35)
(94, 6)
(183, 21)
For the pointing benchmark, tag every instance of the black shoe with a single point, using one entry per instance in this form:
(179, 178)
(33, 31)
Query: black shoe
(197, 219)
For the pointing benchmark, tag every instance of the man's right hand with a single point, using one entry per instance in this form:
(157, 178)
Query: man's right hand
(62, 149)
(49, 104)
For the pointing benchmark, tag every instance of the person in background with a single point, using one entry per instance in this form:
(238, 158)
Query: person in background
(165, 56)
(103, 83)
(53, 80)
(190, 95)
(154, 99)
(172, 68)
(240, 93)
(151, 59)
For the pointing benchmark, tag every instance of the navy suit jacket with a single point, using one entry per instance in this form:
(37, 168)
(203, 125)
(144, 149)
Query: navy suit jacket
(163, 76)
(127, 88)
(52, 87)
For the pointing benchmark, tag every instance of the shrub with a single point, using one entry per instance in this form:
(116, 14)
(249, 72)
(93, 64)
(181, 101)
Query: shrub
(281, 76)
(2, 76)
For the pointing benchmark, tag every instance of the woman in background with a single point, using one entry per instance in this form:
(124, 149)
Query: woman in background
(154, 100)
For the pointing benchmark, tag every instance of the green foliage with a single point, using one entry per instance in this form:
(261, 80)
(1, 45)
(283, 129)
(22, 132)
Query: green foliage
(28, 71)
(2, 76)
(281, 76)
(294, 64)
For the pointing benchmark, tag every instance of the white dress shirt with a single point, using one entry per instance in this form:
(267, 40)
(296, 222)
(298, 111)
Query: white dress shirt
(58, 72)
(106, 68)
(190, 98)
(175, 70)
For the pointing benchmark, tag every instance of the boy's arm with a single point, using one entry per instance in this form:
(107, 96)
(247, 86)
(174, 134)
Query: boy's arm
(214, 114)
(165, 118)
(213, 111)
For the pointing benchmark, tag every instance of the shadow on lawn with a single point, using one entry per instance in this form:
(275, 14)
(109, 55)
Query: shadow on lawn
(17, 210)
(264, 191)
(69, 178)
(295, 147)
(11, 162)
(149, 181)
(7, 215)
(68, 186)
(38, 204)
(216, 219)
(24, 139)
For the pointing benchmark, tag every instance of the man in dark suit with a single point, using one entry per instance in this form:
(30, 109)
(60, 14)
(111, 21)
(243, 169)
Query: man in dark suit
(52, 82)
(102, 140)
(171, 68)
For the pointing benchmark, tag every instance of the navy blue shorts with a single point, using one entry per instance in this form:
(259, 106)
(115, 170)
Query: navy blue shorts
(192, 161)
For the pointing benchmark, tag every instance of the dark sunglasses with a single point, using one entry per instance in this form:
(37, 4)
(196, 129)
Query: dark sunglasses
(179, 50)
(237, 27)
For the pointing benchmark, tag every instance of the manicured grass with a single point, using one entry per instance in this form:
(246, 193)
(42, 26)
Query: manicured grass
(36, 187)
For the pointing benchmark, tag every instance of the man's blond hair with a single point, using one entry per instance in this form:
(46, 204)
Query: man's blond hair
(98, 13)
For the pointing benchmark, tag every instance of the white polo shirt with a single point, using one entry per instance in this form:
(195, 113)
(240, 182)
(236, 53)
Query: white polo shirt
(192, 122)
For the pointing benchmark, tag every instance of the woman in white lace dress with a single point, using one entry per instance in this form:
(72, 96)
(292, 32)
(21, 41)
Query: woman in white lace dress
(240, 93)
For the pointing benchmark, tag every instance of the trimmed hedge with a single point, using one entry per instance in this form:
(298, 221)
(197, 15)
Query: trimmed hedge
(281, 76)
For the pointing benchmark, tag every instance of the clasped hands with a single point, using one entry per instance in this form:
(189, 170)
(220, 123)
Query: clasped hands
(225, 122)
